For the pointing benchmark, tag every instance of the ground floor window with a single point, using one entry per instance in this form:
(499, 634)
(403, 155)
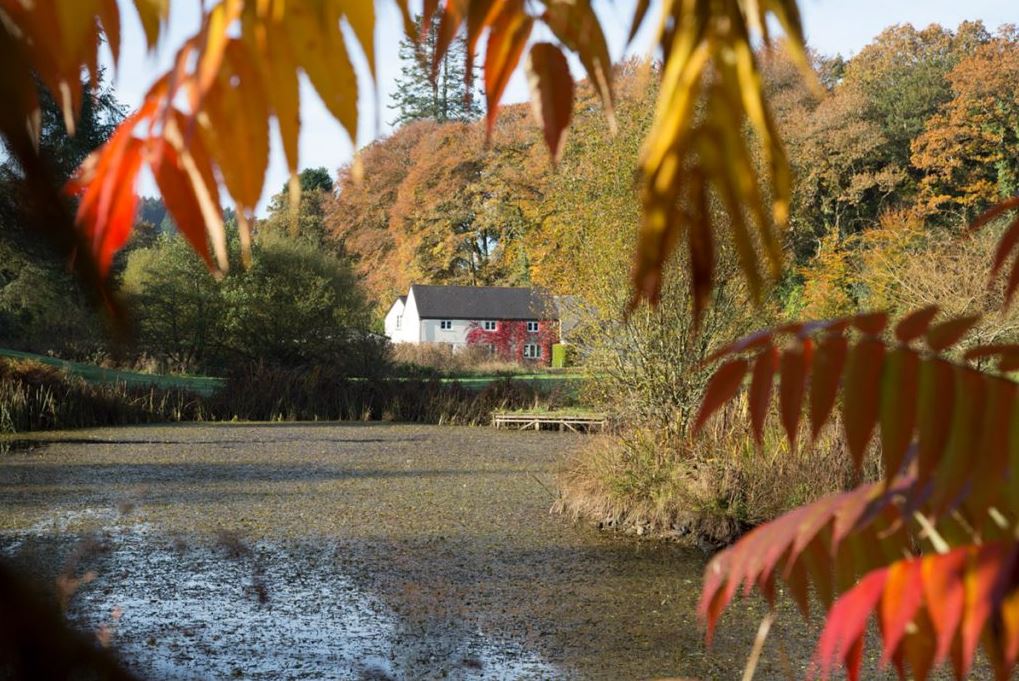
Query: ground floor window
(532, 351)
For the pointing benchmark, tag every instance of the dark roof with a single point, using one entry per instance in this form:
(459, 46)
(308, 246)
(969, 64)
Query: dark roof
(403, 299)
(482, 302)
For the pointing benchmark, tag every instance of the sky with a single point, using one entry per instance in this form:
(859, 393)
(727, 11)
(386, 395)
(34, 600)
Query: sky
(832, 27)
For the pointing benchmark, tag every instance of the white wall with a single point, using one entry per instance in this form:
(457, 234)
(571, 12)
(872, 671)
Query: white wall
(391, 322)
(431, 331)
(408, 328)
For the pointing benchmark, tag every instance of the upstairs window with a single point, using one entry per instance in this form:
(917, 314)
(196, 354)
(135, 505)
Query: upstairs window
(399, 322)
(532, 327)
(490, 326)
(446, 324)
(532, 350)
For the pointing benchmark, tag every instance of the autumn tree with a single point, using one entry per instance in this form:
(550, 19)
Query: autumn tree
(433, 89)
(357, 216)
(902, 77)
(967, 151)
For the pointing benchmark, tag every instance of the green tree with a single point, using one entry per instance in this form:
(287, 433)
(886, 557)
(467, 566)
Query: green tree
(309, 222)
(297, 305)
(450, 95)
(42, 307)
(177, 304)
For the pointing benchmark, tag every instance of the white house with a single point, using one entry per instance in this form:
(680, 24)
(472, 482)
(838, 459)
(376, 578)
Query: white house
(512, 321)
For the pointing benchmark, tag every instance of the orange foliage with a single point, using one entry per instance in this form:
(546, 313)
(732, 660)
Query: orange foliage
(967, 151)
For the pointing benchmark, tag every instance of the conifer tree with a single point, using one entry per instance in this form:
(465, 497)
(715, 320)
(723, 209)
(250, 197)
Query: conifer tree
(446, 98)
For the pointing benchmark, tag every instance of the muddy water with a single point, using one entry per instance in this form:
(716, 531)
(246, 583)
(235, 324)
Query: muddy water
(338, 551)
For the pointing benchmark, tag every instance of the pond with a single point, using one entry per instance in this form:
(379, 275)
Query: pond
(357, 551)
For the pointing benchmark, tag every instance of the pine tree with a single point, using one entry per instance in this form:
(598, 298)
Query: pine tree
(447, 97)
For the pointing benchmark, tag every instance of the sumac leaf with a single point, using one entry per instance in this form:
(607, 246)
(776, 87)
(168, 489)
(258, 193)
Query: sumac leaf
(829, 361)
(551, 94)
(721, 388)
(942, 336)
(862, 395)
(765, 367)
(915, 324)
(899, 389)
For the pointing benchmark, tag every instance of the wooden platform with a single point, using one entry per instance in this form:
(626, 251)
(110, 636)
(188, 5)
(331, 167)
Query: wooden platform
(549, 420)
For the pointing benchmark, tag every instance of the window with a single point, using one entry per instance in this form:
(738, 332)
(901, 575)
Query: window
(399, 322)
(446, 324)
(532, 350)
(490, 326)
(532, 327)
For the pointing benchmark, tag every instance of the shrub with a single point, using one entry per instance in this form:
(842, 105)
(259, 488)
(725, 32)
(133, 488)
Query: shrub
(424, 359)
(706, 490)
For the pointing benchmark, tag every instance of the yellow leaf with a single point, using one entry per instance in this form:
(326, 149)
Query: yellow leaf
(551, 93)
(319, 49)
(153, 15)
(361, 17)
(236, 124)
(506, 41)
(279, 76)
(576, 25)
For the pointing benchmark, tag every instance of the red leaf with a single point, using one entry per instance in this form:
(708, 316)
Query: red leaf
(506, 42)
(995, 211)
(937, 401)
(754, 340)
(721, 388)
(946, 334)
(795, 364)
(179, 197)
(1005, 247)
(958, 597)
(760, 390)
(846, 623)
(944, 595)
(871, 323)
(899, 388)
(988, 574)
(861, 399)
(903, 596)
(829, 361)
(915, 324)
(955, 469)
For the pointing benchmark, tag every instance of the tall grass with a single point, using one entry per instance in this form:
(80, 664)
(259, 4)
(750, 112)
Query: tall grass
(264, 394)
(34, 396)
(706, 490)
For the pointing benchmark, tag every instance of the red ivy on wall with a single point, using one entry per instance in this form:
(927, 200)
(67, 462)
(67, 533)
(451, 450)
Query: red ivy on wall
(510, 337)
